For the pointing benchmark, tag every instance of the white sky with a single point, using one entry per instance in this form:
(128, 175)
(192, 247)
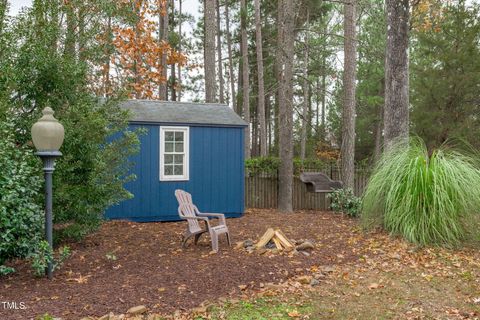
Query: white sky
(190, 6)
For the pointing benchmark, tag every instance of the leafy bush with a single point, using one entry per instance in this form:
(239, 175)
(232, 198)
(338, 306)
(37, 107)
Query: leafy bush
(270, 165)
(428, 199)
(44, 255)
(35, 74)
(20, 215)
(344, 201)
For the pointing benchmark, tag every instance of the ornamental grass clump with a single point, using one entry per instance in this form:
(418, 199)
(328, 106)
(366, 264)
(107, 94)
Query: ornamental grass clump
(426, 198)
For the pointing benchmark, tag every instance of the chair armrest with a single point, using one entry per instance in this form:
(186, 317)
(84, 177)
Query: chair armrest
(220, 216)
(197, 218)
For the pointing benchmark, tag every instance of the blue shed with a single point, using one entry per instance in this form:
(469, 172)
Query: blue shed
(191, 146)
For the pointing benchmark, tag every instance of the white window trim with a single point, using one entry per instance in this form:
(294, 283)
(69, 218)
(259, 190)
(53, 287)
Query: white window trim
(186, 148)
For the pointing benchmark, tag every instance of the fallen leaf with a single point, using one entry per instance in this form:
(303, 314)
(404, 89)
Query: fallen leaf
(294, 314)
(373, 286)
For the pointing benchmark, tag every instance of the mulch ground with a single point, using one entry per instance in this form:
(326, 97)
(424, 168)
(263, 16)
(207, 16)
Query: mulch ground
(126, 264)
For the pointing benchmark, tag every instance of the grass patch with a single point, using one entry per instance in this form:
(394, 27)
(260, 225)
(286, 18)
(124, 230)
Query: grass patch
(272, 308)
(426, 198)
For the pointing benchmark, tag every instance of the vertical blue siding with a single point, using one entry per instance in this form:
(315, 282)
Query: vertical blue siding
(216, 176)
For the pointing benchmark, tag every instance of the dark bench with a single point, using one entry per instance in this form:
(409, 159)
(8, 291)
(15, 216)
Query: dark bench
(319, 182)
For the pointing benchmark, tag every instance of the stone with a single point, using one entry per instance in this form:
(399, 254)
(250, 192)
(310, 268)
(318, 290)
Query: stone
(248, 243)
(305, 253)
(177, 314)
(304, 279)
(319, 276)
(314, 282)
(133, 311)
(306, 245)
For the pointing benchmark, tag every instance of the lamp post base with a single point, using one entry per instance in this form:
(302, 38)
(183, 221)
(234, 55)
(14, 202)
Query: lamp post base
(48, 158)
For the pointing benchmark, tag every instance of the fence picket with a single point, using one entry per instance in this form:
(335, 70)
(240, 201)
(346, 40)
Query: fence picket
(261, 190)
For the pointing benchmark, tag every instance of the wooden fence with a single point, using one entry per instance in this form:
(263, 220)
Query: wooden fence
(261, 190)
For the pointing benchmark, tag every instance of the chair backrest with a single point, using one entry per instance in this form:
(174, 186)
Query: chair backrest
(186, 208)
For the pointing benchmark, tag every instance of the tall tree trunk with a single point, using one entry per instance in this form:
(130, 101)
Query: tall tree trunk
(70, 32)
(245, 76)
(278, 70)
(82, 54)
(396, 72)
(219, 56)
(138, 58)
(254, 117)
(348, 116)
(268, 112)
(379, 126)
(239, 98)
(163, 36)
(209, 53)
(230, 57)
(173, 90)
(107, 52)
(261, 85)
(303, 138)
(180, 37)
(173, 73)
(286, 107)
(324, 93)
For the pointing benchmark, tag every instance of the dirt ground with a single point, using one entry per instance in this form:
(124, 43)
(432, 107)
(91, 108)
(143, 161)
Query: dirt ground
(126, 264)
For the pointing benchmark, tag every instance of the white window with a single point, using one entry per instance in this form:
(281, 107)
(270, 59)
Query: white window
(174, 153)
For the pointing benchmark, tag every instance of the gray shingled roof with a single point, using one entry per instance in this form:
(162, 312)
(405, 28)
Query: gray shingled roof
(148, 111)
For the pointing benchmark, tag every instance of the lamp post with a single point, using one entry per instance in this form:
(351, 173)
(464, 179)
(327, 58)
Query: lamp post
(47, 136)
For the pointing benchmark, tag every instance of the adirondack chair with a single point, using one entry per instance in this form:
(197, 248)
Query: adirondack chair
(188, 211)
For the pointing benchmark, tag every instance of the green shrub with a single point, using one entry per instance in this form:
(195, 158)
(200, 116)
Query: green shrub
(428, 199)
(259, 165)
(90, 175)
(44, 254)
(20, 185)
(344, 201)
(270, 165)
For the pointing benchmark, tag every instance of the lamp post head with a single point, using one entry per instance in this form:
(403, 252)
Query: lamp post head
(47, 132)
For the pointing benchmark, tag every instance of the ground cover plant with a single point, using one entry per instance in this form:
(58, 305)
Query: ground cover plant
(428, 198)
